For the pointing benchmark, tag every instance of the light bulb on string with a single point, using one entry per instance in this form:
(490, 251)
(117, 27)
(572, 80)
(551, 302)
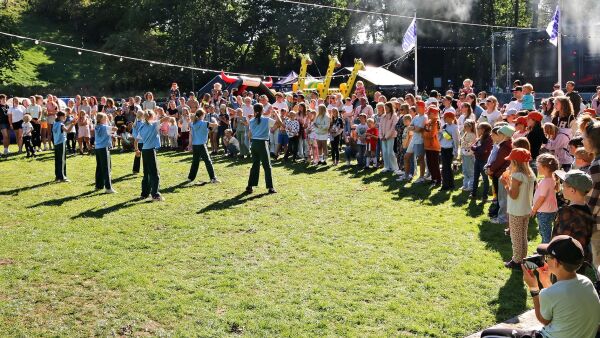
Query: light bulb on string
(79, 52)
(37, 42)
(121, 59)
(151, 64)
(181, 69)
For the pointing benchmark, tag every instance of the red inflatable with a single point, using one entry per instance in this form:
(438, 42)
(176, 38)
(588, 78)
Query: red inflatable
(227, 79)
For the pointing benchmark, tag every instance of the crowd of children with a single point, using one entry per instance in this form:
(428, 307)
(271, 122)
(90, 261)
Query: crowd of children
(508, 145)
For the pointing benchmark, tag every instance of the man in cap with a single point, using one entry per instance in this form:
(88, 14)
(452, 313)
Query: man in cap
(567, 308)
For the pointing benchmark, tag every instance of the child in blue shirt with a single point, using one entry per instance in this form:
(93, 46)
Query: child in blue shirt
(528, 99)
(59, 131)
(103, 132)
(149, 134)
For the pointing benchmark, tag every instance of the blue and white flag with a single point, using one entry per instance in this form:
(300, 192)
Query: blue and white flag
(410, 37)
(552, 28)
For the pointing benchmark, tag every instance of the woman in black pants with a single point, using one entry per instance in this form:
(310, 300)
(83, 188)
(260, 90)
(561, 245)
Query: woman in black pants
(138, 144)
(335, 130)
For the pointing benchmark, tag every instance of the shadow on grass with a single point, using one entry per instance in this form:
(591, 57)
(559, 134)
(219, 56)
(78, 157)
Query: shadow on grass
(230, 202)
(123, 178)
(99, 213)
(16, 191)
(60, 201)
(511, 297)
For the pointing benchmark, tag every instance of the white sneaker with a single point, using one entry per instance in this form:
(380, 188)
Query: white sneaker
(399, 172)
(214, 180)
(420, 180)
(110, 191)
(386, 170)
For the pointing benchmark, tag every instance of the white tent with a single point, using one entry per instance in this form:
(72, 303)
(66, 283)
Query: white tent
(382, 77)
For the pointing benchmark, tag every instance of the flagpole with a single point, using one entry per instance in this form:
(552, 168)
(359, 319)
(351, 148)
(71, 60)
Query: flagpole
(559, 44)
(416, 59)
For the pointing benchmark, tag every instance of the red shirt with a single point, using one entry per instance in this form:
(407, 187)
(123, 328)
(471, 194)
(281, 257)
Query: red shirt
(372, 140)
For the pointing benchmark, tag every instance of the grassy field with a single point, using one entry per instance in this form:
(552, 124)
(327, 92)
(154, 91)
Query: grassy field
(335, 253)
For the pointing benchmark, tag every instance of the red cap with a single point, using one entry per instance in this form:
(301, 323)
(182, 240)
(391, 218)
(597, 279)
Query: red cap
(450, 114)
(590, 111)
(433, 109)
(521, 120)
(519, 155)
(536, 116)
(421, 104)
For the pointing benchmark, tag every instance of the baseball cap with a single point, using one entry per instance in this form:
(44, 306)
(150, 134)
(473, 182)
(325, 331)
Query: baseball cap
(510, 112)
(590, 111)
(507, 130)
(450, 114)
(521, 120)
(577, 179)
(536, 116)
(433, 109)
(431, 100)
(565, 248)
(518, 89)
(519, 155)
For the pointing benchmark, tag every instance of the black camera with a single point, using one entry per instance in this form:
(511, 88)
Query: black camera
(534, 261)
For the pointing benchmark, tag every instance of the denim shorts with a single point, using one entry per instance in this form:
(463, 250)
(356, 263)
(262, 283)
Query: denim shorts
(419, 149)
(3, 126)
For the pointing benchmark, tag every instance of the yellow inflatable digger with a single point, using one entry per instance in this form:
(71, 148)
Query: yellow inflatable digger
(323, 87)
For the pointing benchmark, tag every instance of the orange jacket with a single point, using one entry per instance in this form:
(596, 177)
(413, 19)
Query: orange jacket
(431, 135)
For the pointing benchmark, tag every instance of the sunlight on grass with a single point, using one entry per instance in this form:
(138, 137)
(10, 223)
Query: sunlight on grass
(336, 253)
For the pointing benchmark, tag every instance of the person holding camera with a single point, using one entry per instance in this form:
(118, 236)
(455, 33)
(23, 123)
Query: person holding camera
(568, 307)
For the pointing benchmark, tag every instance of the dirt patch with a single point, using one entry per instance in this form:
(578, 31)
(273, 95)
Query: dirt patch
(6, 261)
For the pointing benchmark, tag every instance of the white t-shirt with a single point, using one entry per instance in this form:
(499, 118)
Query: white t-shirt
(490, 118)
(279, 105)
(247, 110)
(573, 308)
(234, 142)
(27, 128)
(516, 105)
(17, 113)
(173, 131)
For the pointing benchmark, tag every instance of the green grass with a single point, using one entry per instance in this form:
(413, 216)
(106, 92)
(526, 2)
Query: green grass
(335, 253)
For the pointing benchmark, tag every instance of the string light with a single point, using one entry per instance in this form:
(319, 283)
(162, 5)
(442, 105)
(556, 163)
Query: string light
(181, 69)
(37, 42)
(79, 52)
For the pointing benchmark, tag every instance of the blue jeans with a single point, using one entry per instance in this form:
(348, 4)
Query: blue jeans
(479, 171)
(389, 158)
(468, 170)
(545, 220)
(502, 204)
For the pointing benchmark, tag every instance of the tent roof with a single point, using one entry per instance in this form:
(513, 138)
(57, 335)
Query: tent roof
(291, 78)
(381, 77)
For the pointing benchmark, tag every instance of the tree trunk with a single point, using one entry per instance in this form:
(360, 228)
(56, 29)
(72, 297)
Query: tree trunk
(516, 14)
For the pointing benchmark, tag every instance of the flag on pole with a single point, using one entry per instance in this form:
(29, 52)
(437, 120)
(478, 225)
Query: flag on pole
(410, 37)
(552, 28)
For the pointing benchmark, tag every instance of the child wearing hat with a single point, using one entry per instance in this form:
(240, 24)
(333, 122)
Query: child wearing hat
(568, 307)
(432, 145)
(520, 127)
(535, 135)
(499, 163)
(519, 187)
(575, 219)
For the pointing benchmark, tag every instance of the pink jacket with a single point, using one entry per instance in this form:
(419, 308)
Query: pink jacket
(387, 126)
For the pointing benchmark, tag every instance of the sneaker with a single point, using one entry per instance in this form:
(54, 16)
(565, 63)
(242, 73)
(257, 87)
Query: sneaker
(248, 190)
(214, 180)
(158, 198)
(420, 180)
(399, 172)
(347, 162)
(512, 265)
(386, 170)
(272, 191)
(66, 180)
(110, 191)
